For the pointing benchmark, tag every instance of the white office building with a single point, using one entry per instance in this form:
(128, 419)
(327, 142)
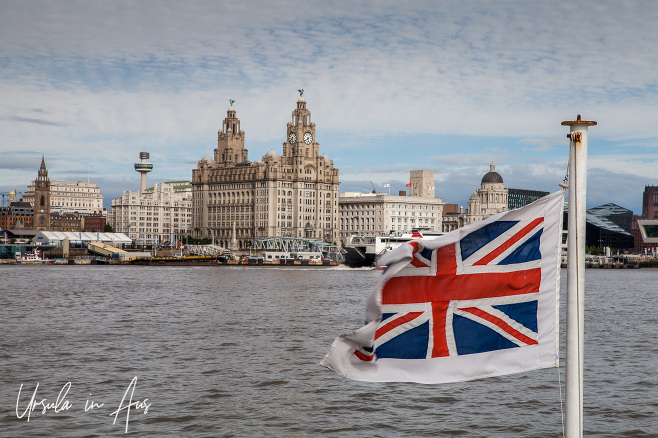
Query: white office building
(70, 197)
(375, 213)
(158, 215)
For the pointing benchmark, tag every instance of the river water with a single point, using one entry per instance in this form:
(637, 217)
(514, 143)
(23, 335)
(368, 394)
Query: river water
(234, 351)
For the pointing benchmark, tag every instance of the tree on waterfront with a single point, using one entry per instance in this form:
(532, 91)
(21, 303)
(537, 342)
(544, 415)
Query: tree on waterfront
(595, 250)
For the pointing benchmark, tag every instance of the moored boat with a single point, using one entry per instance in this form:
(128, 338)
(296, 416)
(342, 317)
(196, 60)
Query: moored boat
(34, 257)
(365, 250)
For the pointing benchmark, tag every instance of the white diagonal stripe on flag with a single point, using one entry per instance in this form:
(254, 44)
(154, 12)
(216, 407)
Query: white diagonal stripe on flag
(420, 319)
(517, 244)
(498, 241)
(500, 315)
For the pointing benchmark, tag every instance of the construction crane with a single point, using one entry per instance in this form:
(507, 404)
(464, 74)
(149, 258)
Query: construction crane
(373, 187)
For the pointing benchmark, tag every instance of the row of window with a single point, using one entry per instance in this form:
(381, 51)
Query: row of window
(350, 206)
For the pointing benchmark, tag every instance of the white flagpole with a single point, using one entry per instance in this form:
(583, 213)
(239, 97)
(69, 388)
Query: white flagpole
(576, 276)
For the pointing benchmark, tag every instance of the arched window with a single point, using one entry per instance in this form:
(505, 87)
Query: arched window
(43, 201)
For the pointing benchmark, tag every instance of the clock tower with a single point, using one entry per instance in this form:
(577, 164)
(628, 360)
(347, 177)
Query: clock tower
(294, 194)
(230, 140)
(301, 134)
(42, 198)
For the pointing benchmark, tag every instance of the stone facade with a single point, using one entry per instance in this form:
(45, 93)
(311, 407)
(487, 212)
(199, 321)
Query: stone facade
(489, 199)
(70, 197)
(377, 213)
(422, 183)
(453, 217)
(65, 222)
(294, 194)
(41, 200)
(155, 216)
(17, 214)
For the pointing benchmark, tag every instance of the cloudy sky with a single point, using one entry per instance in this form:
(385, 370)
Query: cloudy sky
(393, 86)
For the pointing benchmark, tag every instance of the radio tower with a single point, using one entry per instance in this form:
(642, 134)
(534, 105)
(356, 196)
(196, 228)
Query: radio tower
(143, 167)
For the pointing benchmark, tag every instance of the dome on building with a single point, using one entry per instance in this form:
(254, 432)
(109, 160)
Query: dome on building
(492, 177)
(207, 159)
(271, 154)
(258, 162)
(325, 157)
(474, 197)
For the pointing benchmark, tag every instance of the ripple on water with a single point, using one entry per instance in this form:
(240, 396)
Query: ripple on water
(221, 353)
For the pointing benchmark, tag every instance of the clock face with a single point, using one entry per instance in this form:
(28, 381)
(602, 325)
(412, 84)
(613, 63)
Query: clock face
(292, 138)
(308, 138)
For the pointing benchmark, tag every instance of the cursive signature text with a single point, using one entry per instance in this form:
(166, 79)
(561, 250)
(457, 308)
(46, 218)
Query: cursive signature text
(138, 404)
(61, 404)
(25, 408)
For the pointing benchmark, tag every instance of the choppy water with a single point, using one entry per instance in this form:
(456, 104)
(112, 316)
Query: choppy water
(234, 351)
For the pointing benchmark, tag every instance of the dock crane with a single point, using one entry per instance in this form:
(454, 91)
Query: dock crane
(373, 187)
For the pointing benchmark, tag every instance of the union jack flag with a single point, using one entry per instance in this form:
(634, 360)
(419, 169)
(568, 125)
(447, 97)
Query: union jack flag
(479, 301)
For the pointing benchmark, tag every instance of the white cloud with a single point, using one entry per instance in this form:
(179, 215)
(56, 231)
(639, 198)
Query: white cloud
(90, 84)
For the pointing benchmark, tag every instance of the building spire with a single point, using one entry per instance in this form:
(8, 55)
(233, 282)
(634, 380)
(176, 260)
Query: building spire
(43, 172)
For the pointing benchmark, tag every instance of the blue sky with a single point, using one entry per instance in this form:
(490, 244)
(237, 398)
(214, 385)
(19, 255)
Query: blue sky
(393, 86)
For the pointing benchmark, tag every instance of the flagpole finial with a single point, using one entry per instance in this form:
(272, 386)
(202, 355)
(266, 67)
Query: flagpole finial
(578, 121)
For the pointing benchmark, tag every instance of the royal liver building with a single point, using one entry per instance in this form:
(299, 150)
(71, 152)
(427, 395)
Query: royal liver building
(294, 194)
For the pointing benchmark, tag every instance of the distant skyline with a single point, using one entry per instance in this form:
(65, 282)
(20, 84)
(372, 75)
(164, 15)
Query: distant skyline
(392, 87)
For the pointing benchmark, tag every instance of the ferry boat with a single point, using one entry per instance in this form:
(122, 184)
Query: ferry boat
(31, 258)
(296, 258)
(365, 250)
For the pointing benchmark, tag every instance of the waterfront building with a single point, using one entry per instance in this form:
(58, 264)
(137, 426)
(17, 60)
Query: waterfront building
(71, 196)
(41, 200)
(422, 183)
(11, 197)
(517, 198)
(65, 222)
(489, 199)
(620, 216)
(93, 222)
(363, 214)
(80, 238)
(155, 216)
(18, 214)
(650, 202)
(61, 197)
(453, 217)
(645, 235)
(492, 197)
(294, 194)
(602, 227)
(645, 228)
